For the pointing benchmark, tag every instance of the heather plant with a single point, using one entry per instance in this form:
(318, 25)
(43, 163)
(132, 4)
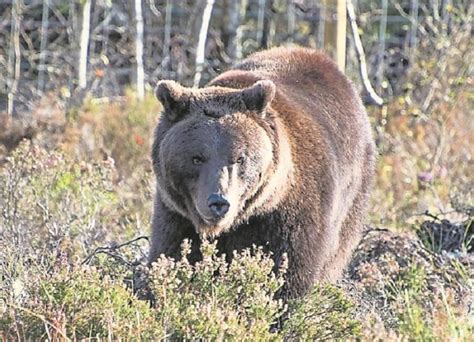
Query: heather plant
(325, 314)
(214, 300)
(419, 295)
(59, 282)
(47, 200)
(210, 300)
(77, 302)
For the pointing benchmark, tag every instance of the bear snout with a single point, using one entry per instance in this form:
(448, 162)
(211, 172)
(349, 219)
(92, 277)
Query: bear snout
(218, 205)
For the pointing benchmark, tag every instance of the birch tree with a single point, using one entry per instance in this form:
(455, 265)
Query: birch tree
(260, 22)
(167, 35)
(413, 26)
(139, 49)
(232, 27)
(240, 30)
(200, 51)
(43, 42)
(84, 44)
(14, 57)
(291, 21)
(361, 56)
(381, 47)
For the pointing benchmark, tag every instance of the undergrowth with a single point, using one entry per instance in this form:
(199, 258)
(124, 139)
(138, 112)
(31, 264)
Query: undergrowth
(58, 282)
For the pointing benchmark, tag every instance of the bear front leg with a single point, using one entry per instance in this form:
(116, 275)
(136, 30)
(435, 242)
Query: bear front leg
(169, 229)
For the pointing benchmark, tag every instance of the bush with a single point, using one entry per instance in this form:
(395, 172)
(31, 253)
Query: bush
(214, 300)
(325, 314)
(76, 303)
(48, 199)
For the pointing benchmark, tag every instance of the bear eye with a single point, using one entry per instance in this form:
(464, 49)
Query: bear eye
(197, 160)
(240, 160)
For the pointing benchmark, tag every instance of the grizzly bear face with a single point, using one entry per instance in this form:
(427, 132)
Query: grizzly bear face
(212, 152)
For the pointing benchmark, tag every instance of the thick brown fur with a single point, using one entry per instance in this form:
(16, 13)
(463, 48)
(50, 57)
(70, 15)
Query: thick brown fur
(308, 190)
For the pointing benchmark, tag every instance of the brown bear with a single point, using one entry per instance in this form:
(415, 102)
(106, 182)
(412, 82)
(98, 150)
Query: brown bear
(276, 152)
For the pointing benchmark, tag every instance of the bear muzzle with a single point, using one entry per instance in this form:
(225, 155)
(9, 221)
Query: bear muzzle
(218, 205)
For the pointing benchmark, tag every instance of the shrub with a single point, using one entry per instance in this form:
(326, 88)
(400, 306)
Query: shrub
(325, 314)
(78, 302)
(214, 300)
(48, 199)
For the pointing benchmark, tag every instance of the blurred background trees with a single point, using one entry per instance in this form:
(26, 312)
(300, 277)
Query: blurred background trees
(101, 46)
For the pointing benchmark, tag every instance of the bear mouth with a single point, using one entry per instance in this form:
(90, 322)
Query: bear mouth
(211, 221)
(204, 221)
(210, 226)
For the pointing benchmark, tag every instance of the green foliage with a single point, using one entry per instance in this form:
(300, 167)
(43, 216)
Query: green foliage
(412, 320)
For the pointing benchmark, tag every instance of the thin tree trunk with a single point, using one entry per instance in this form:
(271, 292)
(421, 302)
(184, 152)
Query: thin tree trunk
(321, 24)
(84, 44)
(335, 31)
(291, 21)
(233, 21)
(139, 50)
(361, 56)
(260, 22)
(269, 25)
(414, 27)
(167, 37)
(44, 41)
(381, 47)
(240, 30)
(200, 51)
(14, 57)
(341, 34)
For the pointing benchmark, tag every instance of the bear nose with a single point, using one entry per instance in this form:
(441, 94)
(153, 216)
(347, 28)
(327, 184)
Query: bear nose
(218, 205)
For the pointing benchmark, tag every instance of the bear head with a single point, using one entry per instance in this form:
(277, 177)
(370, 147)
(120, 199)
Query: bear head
(213, 151)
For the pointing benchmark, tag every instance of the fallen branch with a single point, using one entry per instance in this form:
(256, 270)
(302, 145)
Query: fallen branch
(111, 249)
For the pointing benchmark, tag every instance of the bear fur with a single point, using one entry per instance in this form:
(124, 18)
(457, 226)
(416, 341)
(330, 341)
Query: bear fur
(284, 141)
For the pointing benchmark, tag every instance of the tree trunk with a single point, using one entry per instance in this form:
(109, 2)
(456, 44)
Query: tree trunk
(240, 30)
(139, 50)
(167, 35)
(44, 41)
(200, 51)
(260, 23)
(381, 47)
(335, 31)
(84, 44)
(232, 27)
(361, 56)
(291, 21)
(14, 57)
(413, 27)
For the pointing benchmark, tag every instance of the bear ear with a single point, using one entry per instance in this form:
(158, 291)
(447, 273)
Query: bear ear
(259, 96)
(174, 99)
